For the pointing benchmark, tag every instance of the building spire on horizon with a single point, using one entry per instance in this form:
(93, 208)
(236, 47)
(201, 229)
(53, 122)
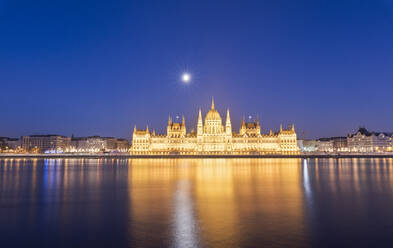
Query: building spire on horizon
(200, 116)
(228, 125)
(200, 123)
(212, 102)
(228, 120)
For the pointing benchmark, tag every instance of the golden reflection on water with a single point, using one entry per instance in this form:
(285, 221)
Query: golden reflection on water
(219, 198)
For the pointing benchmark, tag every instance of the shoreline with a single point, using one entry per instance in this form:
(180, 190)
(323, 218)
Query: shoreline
(128, 156)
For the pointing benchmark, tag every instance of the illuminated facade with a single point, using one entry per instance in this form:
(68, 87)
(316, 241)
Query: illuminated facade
(97, 144)
(214, 138)
(365, 141)
(46, 143)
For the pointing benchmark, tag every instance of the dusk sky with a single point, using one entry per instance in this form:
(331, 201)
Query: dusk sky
(100, 67)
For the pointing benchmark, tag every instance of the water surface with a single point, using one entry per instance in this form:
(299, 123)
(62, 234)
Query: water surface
(196, 203)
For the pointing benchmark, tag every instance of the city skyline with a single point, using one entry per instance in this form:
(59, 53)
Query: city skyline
(99, 68)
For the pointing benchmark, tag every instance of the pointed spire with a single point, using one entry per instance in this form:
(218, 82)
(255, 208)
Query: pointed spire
(182, 120)
(280, 128)
(200, 116)
(212, 102)
(228, 121)
(228, 125)
(147, 128)
(154, 132)
(293, 127)
(134, 127)
(169, 120)
(200, 123)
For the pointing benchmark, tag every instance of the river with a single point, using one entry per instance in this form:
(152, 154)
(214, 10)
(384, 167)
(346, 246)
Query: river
(196, 202)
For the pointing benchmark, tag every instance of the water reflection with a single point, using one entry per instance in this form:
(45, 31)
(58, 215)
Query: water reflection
(218, 202)
(196, 202)
(185, 230)
(306, 181)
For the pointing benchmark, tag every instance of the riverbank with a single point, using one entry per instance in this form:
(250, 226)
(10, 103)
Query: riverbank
(128, 156)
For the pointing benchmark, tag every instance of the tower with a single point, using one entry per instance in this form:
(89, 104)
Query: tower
(199, 132)
(183, 126)
(200, 124)
(168, 129)
(258, 126)
(169, 120)
(242, 126)
(228, 133)
(228, 125)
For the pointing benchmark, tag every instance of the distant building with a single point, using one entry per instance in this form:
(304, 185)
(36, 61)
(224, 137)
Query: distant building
(331, 144)
(96, 144)
(46, 143)
(116, 145)
(365, 141)
(340, 144)
(307, 145)
(9, 143)
(92, 144)
(123, 145)
(324, 145)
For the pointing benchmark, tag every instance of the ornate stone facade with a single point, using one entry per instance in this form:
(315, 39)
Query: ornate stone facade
(365, 141)
(214, 138)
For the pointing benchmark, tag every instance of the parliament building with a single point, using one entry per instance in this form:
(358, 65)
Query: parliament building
(214, 138)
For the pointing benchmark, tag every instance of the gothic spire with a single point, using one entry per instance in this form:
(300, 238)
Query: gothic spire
(212, 102)
(200, 123)
(200, 116)
(228, 121)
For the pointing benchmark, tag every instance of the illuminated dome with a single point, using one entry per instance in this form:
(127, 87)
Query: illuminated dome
(213, 114)
(213, 122)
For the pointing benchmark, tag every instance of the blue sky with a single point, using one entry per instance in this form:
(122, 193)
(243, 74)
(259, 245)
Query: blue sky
(99, 67)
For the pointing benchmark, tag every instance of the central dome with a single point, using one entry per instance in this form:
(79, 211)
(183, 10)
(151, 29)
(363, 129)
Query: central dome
(213, 114)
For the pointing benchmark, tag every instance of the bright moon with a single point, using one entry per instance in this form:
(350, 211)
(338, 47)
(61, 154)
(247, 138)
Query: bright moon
(186, 77)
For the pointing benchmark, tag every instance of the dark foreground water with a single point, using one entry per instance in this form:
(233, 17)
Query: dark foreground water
(196, 203)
